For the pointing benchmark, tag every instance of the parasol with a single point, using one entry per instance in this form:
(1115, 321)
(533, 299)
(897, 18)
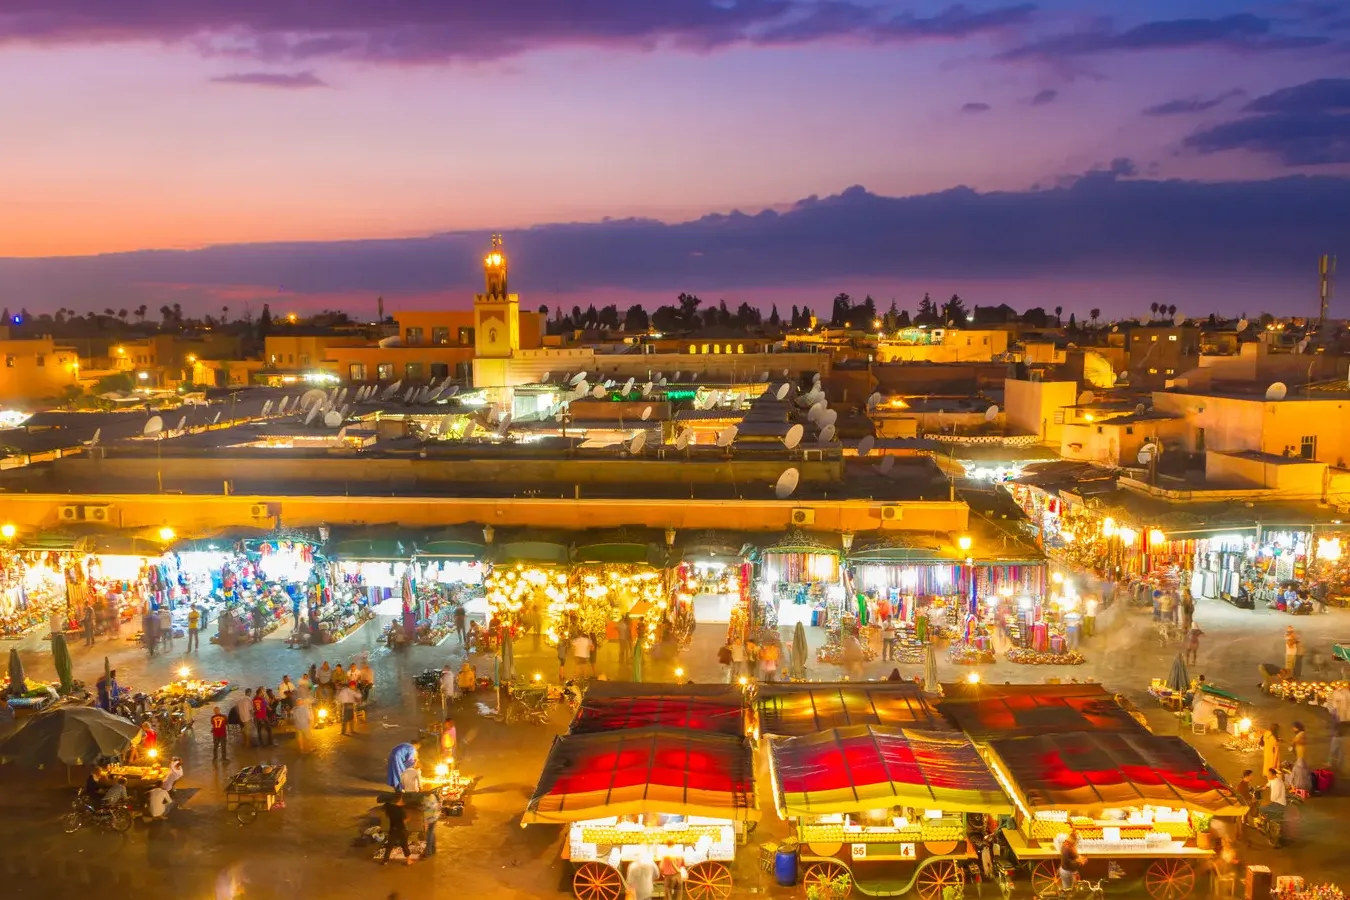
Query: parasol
(1178, 679)
(65, 669)
(799, 651)
(507, 665)
(930, 673)
(637, 661)
(76, 735)
(17, 683)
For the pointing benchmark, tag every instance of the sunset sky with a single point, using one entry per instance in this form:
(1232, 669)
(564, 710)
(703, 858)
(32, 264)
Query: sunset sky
(141, 124)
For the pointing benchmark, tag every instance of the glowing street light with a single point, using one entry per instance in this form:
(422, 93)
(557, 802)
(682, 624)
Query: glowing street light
(166, 534)
(973, 678)
(964, 542)
(184, 672)
(679, 672)
(7, 531)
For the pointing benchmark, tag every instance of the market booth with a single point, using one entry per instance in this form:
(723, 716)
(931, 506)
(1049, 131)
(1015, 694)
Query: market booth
(1137, 802)
(792, 710)
(990, 711)
(799, 580)
(713, 574)
(708, 708)
(888, 810)
(648, 791)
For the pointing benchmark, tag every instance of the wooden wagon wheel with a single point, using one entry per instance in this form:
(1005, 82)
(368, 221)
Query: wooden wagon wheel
(933, 879)
(822, 874)
(708, 881)
(597, 881)
(1044, 876)
(1170, 879)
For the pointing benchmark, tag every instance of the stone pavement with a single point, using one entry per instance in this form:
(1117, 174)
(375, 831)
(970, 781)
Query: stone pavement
(306, 848)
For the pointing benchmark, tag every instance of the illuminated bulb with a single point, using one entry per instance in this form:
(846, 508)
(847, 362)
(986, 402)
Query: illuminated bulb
(1057, 578)
(743, 681)
(323, 712)
(679, 672)
(538, 677)
(184, 671)
(1244, 726)
(442, 770)
(166, 533)
(973, 678)
(7, 531)
(964, 542)
(1156, 537)
(152, 753)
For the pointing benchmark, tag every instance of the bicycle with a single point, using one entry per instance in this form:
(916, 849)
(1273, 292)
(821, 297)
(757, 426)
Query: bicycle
(528, 705)
(1081, 890)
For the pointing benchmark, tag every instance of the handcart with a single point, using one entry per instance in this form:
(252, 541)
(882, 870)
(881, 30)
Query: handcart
(255, 788)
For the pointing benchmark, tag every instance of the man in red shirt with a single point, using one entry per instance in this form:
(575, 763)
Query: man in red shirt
(219, 728)
(260, 720)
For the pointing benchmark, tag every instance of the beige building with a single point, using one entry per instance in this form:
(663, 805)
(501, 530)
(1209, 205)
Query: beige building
(1313, 425)
(943, 345)
(36, 369)
(1116, 440)
(1038, 407)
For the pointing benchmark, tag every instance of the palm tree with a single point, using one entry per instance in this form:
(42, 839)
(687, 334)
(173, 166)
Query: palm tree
(122, 314)
(1172, 310)
(141, 311)
(1154, 307)
(1095, 314)
(224, 314)
(1059, 312)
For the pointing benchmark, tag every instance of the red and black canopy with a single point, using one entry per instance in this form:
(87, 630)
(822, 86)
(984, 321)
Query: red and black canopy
(988, 712)
(711, 709)
(791, 710)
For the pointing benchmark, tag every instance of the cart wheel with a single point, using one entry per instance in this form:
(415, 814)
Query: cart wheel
(245, 813)
(120, 820)
(933, 880)
(1170, 879)
(1044, 877)
(597, 881)
(514, 714)
(708, 881)
(823, 875)
(71, 822)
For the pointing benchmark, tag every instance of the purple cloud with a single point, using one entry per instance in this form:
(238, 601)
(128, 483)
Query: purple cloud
(1322, 95)
(1241, 31)
(976, 107)
(1190, 105)
(435, 31)
(1303, 125)
(288, 80)
(1045, 97)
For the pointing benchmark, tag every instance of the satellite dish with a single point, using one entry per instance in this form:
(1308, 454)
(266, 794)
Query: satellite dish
(267, 407)
(342, 396)
(217, 418)
(786, 484)
(866, 444)
(827, 418)
(627, 386)
(1146, 454)
(815, 411)
(637, 443)
(578, 378)
(646, 413)
(98, 432)
(312, 414)
(346, 410)
(887, 463)
(543, 379)
(504, 425)
(682, 440)
(815, 380)
(727, 436)
(647, 389)
(1140, 409)
(582, 387)
(470, 429)
(1086, 397)
(312, 396)
(1277, 391)
(785, 373)
(826, 435)
(153, 425)
(1302, 345)
(332, 418)
(281, 407)
(764, 376)
(664, 381)
(991, 413)
(677, 376)
(1242, 324)
(793, 437)
(782, 391)
(599, 392)
(443, 426)
(1178, 318)
(658, 377)
(454, 389)
(873, 401)
(182, 422)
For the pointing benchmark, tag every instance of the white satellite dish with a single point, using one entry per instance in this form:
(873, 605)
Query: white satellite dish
(281, 407)
(582, 387)
(599, 392)
(332, 418)
(827, 418)
(1242, 324)
(1140, 409)
(346, 410)
(454, 389)
(1178, 318)
(873, 401)
(782, 391)
(1146, 454)
(677, 376)
(866, 444)
(815, 411)
(312, 396)
(727, 436)
(637, 443)
(826, 435)
(578, 378)
(646, 413)
(182, 423)
(657, 377)
(1086, 397)
(793, 437)
(647, 388)
(1303, 345)
(98, 432)
(764, 376)
(504, 425)
(267, 407)
(153, 425)
(445, 424)
(342, 395)
(664, 381)
(786, 483)
(991, 413)
(815, 379)
(628, 386)
(887, 463)
(470, 429)
(682, 440)
(312, 414)
(217, 418)
(785, 373)
(1277, 391)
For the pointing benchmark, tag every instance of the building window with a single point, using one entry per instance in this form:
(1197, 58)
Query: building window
(290, 359)
(386, 371)
(1155, 339)
(440, 370)
(41, 361)
(414, 371)
(1153, 371)
(693, 349)
(740, 348)
(985, 340)
(705, 348)
(440, 336)
(412, 337)
(304, 359)
(1308, 446)
(356, 372)
(465, 336)
(1171, 371)
(1059, 417)
(1129, 429)
(9, 362)
(1099, 429)
(1171, 337)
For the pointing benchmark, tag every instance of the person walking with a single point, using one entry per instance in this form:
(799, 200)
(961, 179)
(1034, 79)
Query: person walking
(194, 620)
(672, 874)
(1338, 704)
(461, 623)
(397, 835)
(431, 814)
(166, 627)
(89, 625)
(1247, 794)
(1270, 749)
(261, 721)
(642, 876)
(1193, 643)
(1293, 651)
(888, 640)
(347, 698)
(303, 720)
(581, 651)
(150, 631)
(220, 729)
(1187, 609)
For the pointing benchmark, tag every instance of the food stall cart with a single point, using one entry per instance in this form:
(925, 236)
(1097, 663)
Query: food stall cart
(1137, 802)
(648, 791)
(254, 788)
(790, 710)
(886, 810)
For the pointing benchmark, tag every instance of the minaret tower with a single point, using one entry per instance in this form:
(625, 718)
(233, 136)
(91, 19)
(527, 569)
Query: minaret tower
(496, 310)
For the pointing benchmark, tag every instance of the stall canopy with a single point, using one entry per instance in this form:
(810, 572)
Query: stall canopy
(462, 542)
(1092, 770)
(378, 543)
(631, 546)
(848, 770)
(645, 771)
(727, 547)
(222, 540)
(717, 711)
(993, 711)
(530, 546)
(899, 549)
(799, 709)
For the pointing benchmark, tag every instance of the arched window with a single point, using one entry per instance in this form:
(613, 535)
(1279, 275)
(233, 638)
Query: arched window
(740, 348)
(693, 348)
(717, 348)
(705, 348)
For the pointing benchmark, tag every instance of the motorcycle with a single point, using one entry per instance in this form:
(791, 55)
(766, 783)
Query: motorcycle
(528, 705)
(83, 812)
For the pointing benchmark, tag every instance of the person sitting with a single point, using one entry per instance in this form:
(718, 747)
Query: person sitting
(93, 785)
(116, 795)
(1279, 796)
(467, 679)
(158, 803)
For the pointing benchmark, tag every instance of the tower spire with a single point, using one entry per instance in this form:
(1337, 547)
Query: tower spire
(494, 268)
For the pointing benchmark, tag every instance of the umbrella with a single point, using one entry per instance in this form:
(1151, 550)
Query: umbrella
(64, 667)
(508, 660)
(930, 675)
(72, 735)
(799, 651)
(17, 683)
(637, 662)
(1178, 680)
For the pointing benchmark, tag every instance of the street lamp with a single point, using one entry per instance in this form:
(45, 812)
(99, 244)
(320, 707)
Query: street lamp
(488, 533)
(846, 539)
(7, 531)
(964, 542)
(670, 537)
(166, 534)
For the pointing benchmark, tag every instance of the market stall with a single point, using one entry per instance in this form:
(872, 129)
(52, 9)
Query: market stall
(1138, 804)
(989, 711)
(449, 570)
(706, 708)
(791, 710)
(917, 581)
(528, 585)
(713, 575)
(885, 810)
(646, 793)
(799, 581)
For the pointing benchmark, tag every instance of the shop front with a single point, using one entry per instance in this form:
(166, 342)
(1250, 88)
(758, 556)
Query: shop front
(799, 581)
